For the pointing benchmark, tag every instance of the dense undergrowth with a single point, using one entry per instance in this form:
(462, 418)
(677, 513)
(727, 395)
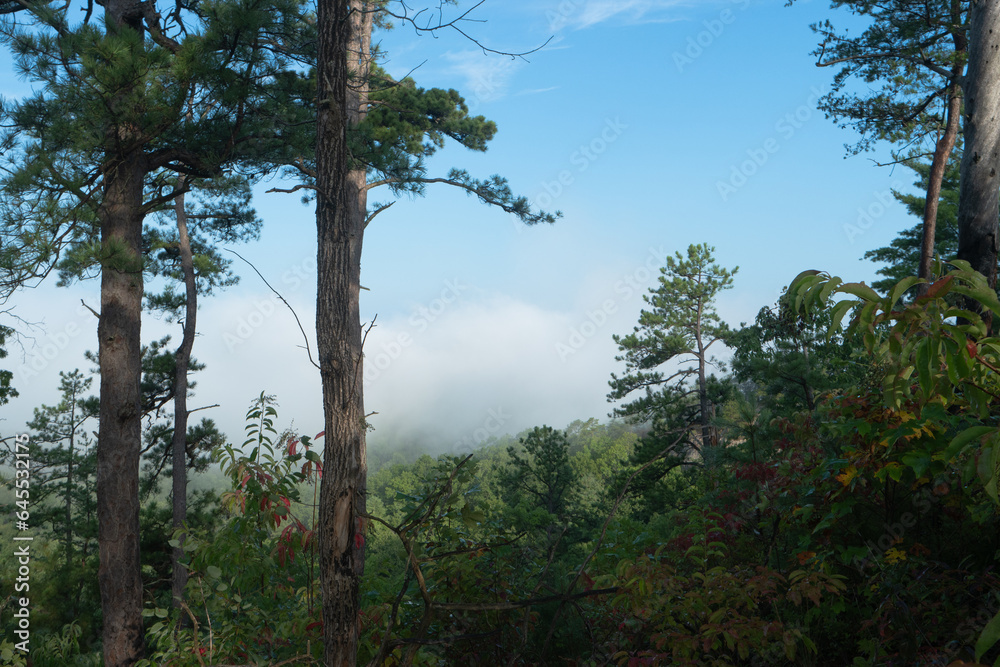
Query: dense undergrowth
(863, 531)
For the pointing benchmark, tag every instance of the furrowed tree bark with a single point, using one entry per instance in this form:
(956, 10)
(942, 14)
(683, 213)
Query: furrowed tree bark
(119, 351)
(179, 442)
(338, 338)
(979, 192)
(359, 68)
(119, 433)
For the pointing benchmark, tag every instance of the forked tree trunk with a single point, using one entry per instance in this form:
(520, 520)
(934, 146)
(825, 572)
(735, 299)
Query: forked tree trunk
(120, 426)
(338, 338)
(179, 442)
(979, 192)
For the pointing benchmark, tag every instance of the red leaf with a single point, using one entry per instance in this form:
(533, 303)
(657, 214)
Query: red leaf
(937, 287)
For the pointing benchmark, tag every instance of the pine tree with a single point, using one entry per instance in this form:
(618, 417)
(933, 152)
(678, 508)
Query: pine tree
(540, 477)
(678, 330)
(186, 255)
(7, 390)
(122, 106)
(789, 358)
(63, 488)
(370, 132)
(913, 58)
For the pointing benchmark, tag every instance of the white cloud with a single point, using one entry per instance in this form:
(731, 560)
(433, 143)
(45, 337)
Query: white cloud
(484, 367)
(487, 78)
(581, 14)
(446, 375)
(537, 91)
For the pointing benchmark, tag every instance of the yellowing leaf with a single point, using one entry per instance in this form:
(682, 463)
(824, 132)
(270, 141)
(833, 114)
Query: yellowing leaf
(848, 475)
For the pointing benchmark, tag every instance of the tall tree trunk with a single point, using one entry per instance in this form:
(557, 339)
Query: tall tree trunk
(120, 418)
(338, 338)
(179, 441)
(979, 192)
(119, 352)
(359, 67)
(703, 417)
(69, 482)
(942, 152)
(945, 143)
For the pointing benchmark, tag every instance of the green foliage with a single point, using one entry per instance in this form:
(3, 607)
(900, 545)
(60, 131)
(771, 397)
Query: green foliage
(63, 650)
(938, 398)
(905, 57)
(206, 91)
(7, 390)
(63, 479)
(252, 595)
(788, 357)
(460, 568)
(693, 608)
(540, 476)
(680, 326)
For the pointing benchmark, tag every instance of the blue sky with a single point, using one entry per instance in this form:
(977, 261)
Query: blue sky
(650, 124)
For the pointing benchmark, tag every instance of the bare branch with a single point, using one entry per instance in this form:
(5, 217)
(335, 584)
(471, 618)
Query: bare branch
(430, 28)
(284, 301)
